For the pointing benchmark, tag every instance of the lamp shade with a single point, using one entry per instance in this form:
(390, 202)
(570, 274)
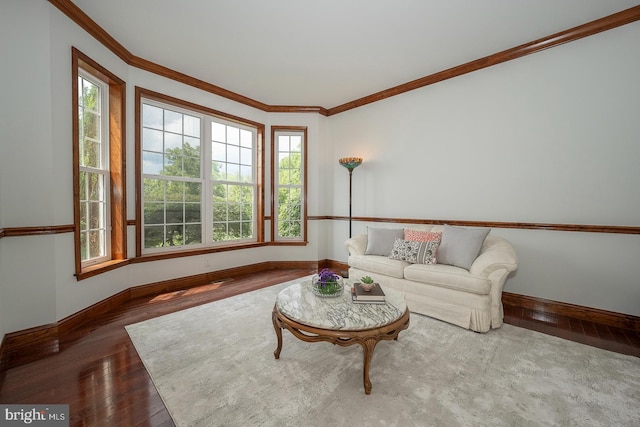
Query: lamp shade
(350, 162)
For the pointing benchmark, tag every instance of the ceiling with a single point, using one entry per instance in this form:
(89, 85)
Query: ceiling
(327, 53)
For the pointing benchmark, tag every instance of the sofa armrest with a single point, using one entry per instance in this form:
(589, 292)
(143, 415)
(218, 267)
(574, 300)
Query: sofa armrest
(356, 245)
(496, 254)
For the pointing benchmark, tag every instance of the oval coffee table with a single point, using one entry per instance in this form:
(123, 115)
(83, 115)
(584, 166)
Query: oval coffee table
(339, 320)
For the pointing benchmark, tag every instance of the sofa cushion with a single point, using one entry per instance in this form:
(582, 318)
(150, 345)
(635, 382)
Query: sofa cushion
(378, 264)
(421, 236)
(461, 246)
(380, 240)
(415, 252)
(447, 276)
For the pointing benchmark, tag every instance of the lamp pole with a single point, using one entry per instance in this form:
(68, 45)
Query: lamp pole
(350, 163)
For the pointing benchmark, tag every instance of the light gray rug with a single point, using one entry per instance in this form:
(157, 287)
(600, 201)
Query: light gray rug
(213, 365)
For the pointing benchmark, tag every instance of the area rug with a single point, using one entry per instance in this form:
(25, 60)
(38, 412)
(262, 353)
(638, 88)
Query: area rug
(213, 365)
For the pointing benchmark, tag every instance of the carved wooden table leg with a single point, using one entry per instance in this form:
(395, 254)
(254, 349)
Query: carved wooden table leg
(278, 328)
(368, 346)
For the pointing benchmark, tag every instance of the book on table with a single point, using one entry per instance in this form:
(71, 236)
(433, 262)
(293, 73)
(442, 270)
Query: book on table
(376, 294)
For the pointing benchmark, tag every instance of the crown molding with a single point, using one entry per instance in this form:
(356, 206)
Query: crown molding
(597, 26)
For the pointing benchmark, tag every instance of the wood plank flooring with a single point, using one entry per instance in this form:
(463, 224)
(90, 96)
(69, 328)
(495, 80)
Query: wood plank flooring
(99, 374)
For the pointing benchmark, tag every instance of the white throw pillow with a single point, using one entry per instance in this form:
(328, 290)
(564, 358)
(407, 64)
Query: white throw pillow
(380, 240)
(461, 246)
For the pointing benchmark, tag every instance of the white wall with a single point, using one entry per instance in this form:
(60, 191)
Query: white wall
(527, 130)
(37, 285)
(549, 138)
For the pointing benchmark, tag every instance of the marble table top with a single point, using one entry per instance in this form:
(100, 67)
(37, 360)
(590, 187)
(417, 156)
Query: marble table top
(298, 303)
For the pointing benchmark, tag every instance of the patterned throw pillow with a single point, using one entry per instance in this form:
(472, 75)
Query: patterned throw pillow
(421, 236)
(415, 252)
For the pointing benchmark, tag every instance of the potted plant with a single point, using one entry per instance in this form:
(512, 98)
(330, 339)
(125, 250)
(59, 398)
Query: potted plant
(367, 283)
(327, 284)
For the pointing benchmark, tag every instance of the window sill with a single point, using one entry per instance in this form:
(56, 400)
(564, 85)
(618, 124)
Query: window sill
(288, 243)
(192, 252)
(103, 267)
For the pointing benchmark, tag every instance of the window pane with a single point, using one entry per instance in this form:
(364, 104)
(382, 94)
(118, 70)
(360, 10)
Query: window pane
(154, 190)
(84, 216)
(191, 146)
(246, 138)
(172, 121)
(172, 141)
(90, 153)
(218, 132)
(95, 186)
(153, 236)
(218, 152)
(95, 215)
(91, 125)
(191, 126)
(233, 172)
(247, 229)
(283, 144)
(233, 135)
(152, 163)
(96, 244)
(192, 191)
(153, 213)
(191, 167)
(234, 230)
(246, 173)
(219, 212)
(193, 234)
(283, 196)
(152, 140)
(233, 154)
(246, 156)
(247, 212)
(283, 177)
(175, 235)
(174, 213)
(295, 174)
(174, 191)
(192, 213)
(83, 185)
(219, 231)
(218, 171)
(296, 143)
(151, 117)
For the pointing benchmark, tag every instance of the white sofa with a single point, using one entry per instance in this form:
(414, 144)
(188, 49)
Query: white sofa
(469, 298)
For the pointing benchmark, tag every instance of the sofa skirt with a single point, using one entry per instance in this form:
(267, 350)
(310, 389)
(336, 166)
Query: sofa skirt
(464, 309)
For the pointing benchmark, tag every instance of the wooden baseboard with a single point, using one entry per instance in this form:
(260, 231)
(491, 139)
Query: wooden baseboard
(34, 343)
(595, 315)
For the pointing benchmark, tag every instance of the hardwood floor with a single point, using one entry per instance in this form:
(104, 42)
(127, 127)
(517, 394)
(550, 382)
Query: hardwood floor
(99, 374)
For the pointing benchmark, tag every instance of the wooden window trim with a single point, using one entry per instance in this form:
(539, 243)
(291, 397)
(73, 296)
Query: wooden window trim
(117, 164)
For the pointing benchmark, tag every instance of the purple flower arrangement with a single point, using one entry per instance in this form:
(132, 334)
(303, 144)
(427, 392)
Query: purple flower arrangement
(327, 276)
(327, 284)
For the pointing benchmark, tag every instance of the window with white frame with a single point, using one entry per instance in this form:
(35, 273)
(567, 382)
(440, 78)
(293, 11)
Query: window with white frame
(199, 179)
(93, 150)
(289, 204)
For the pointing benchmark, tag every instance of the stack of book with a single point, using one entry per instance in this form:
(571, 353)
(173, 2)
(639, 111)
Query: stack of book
(360, 296)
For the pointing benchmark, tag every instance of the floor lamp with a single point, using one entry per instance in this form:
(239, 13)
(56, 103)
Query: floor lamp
(350, 163)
